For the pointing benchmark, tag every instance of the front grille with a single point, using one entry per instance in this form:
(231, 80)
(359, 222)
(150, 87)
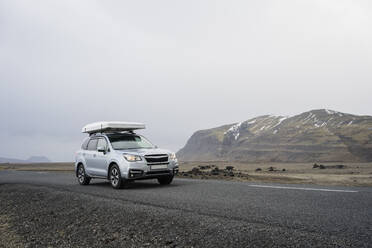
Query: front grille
(159, 172)
(156, 158)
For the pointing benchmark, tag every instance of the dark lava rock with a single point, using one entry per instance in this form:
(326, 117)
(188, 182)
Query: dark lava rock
(195, 171)
(258, 169)
(215, 171)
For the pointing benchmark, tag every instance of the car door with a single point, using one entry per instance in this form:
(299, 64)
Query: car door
(90, 155)
(100, 163)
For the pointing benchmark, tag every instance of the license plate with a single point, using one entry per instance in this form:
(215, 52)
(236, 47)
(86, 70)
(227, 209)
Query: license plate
(159, 166)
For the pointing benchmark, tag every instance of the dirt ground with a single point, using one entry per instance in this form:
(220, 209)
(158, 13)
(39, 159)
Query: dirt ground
(348, 174)
(38, 167)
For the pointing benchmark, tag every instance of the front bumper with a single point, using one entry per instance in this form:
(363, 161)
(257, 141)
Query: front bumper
(138, 174)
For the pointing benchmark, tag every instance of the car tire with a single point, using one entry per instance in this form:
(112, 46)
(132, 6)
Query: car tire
(83, 178)
(165, 180)
(117, 182)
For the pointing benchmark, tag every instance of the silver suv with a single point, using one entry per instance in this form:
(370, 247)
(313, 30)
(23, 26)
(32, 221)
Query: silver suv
(121, 157)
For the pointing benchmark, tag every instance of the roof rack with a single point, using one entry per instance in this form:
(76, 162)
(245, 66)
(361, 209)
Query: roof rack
(112, 132)
(112, 126)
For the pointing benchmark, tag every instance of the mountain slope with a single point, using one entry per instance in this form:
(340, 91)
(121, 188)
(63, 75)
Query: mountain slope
(318, 135)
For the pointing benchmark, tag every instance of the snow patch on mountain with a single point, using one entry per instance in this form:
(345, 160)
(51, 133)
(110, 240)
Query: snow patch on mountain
(281, 119)
(332, 112)
(251, 122)
(234, 130)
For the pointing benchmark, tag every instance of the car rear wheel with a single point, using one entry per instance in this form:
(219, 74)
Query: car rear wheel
(117, 182)
(83, 178)
(165, 180)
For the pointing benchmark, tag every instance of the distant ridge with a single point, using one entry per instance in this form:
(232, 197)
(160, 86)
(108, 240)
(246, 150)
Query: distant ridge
(32, 159)
(318, 135)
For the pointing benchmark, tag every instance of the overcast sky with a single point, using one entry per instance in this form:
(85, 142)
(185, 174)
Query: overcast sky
(177, 66)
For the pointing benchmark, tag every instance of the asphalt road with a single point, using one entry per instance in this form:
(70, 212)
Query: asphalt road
(223, 213)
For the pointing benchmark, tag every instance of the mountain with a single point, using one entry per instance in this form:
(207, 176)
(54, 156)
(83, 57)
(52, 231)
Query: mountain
(318, 135)
(11, 160)
(32, 159)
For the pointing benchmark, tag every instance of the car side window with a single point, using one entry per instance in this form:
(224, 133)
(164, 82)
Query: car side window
(84, 146)
(102, 143)
(92, 145)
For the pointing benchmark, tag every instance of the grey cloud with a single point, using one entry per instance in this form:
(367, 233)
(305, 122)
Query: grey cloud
(178, 66)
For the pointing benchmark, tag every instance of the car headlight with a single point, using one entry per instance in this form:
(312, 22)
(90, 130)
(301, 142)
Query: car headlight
(132, 158)
(172, 156)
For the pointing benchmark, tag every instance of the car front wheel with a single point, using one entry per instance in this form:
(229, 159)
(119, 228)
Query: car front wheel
(83, 178)
(117, 182)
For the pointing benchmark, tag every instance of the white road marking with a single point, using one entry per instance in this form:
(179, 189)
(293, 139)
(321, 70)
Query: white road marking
(314, 189)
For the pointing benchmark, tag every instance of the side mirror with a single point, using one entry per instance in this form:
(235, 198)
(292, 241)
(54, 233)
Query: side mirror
(101, 149)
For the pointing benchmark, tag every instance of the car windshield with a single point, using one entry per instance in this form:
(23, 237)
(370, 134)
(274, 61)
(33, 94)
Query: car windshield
(123, 142)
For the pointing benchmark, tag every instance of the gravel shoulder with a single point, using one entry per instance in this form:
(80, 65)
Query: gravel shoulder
(37, 216)
(351, 174)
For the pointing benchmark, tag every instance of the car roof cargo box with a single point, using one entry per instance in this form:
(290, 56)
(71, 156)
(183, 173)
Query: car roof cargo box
(112, 126)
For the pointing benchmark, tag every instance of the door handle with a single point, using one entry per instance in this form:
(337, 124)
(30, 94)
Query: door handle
(94, 155)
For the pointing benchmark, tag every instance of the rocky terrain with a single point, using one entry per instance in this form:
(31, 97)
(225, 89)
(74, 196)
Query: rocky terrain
(350, 174)
(315, 136)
